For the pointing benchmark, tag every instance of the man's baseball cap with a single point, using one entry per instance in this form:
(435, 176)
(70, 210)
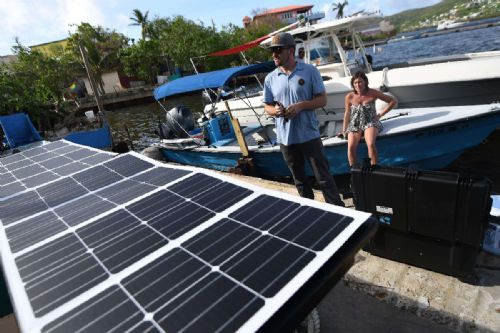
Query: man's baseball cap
(282, 39)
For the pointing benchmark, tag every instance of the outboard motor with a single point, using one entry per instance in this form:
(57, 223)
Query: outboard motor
(178, 121)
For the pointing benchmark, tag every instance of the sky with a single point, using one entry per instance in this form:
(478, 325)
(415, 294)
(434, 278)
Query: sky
(37, 22)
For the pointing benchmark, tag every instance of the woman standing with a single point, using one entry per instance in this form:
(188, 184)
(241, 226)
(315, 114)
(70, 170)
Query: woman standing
(361, 117)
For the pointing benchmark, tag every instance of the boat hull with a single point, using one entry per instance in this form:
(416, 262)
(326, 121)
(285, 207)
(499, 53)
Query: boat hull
(433, 147)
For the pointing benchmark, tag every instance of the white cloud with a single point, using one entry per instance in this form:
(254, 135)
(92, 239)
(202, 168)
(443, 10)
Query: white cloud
(37, 22)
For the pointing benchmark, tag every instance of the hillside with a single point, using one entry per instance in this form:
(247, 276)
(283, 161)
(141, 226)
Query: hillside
(459, 10)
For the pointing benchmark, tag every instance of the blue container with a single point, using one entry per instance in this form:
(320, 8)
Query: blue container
(220, 130)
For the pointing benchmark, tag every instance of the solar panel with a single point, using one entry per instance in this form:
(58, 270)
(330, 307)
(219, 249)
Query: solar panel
(135, 245)
(40, 165)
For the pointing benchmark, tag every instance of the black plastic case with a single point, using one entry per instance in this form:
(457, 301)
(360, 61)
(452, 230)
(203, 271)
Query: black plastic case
(431, 219)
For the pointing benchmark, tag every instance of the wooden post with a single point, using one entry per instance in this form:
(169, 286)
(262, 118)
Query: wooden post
(237, 131)
(93, 84)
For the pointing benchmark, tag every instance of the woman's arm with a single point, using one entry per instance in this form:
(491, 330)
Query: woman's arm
(391, 102)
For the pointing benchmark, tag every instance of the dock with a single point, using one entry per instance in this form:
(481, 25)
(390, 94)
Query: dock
(117, 99)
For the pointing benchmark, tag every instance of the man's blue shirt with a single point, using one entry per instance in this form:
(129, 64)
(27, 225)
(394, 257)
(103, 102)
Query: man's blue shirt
(303, 84)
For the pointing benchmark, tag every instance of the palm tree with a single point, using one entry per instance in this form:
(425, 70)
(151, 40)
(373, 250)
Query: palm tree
(339, 7)
(141, 20)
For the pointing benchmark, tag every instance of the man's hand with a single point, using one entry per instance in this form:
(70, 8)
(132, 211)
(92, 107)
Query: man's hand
(292, 110)
(279, 110)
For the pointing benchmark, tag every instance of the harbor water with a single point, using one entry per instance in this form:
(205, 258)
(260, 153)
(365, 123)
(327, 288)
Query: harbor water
(142, 120)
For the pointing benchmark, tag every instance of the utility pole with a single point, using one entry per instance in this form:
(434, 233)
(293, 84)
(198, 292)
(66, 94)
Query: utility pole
(93, 85)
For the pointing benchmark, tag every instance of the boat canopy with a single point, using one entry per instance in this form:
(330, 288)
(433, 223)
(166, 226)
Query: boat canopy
(239, 48)
(356, 23)
(209, 80)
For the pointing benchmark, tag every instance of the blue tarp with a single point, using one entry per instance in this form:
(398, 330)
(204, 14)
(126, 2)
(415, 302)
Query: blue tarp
(208, 80)
(18, 130)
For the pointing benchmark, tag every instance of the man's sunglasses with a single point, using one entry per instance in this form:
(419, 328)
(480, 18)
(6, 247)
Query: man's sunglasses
(278, 49)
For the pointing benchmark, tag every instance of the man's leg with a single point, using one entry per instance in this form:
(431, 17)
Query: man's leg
(295, 161)
(315, 154)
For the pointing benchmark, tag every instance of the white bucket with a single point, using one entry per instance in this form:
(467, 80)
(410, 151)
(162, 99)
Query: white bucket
(90, 115)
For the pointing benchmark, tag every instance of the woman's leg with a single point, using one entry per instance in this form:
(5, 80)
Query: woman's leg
(370, 138)
(353, 139)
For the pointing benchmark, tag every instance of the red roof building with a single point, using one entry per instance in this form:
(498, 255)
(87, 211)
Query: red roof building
(285, 14)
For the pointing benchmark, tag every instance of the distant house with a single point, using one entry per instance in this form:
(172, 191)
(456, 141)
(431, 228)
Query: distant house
(50, 47)
(287, 15)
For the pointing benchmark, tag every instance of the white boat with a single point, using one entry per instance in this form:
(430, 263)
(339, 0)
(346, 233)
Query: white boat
(449, 24)
(471, 79)
(431, 137)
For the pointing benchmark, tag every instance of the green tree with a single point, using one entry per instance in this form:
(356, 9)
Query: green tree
(339, 7)
(103, 48)
(143, 60)
(141, 20)
(34, 84)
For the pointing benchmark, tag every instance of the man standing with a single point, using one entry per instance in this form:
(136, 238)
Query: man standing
(291, 93)
(301, 56)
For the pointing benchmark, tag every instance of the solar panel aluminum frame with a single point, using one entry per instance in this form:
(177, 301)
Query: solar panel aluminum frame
(343, 247)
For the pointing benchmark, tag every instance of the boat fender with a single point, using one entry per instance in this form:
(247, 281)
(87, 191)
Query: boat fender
(380, 105)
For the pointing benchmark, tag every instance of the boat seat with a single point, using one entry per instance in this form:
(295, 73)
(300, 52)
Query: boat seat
(18, 130)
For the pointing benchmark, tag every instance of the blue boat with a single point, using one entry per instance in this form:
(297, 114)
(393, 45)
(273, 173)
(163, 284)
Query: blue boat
(430, 137)
(19, 132)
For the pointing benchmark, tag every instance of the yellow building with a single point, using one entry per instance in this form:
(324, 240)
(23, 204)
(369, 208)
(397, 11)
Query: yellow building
(51, 47)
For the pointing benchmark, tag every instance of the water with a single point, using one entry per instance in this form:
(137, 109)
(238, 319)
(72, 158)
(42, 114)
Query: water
(142, 120)
(487, 39)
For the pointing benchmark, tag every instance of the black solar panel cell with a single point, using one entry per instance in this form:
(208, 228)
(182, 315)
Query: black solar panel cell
(7, 179)
(55, 162)
(176, 222)
(124, 191)
(70, 168)
(96, 177)
(96, 159)
(159, 282)
(21, 206)
(6, 161)
(129, 247)
(35, 151)
(155, 205)
(61, 191)
(28, 171)
(83, 209)
(39, 179)
(117, 313)
(160, 176)
(267, 264)
(20, 164)
(214, 304)
(264, 212)
(10, 189)
(57, 272)
(311, 227)
(221, 241)
(43, 157)
(34, 230)
(80, 154)
(128, 165)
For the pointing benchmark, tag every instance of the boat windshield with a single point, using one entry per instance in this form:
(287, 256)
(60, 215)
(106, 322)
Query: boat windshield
(323, 51)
